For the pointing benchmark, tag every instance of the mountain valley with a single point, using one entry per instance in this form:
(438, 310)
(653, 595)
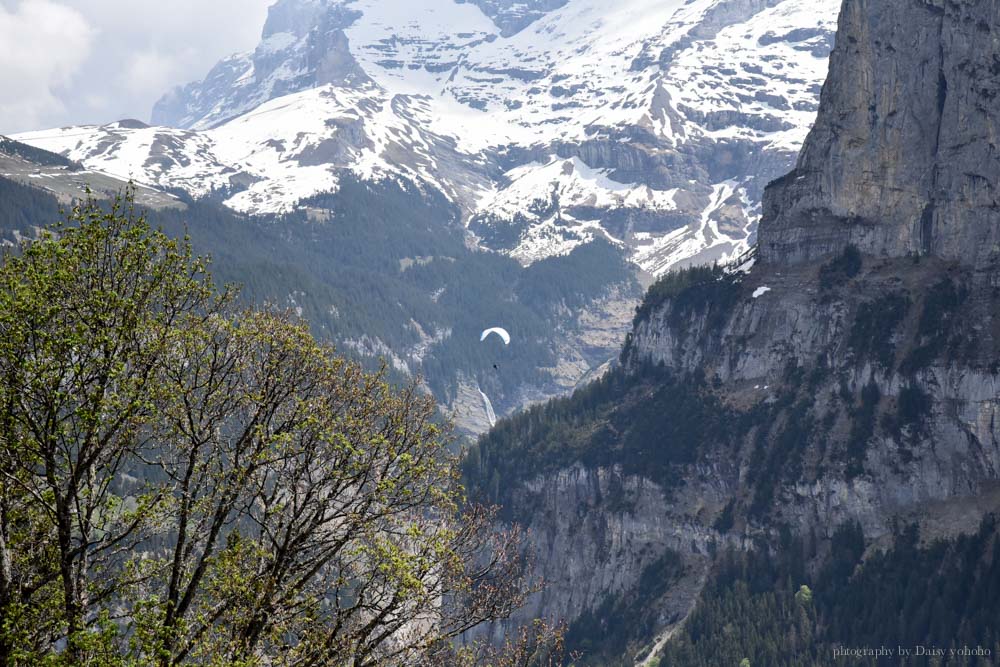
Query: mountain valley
(538, 130)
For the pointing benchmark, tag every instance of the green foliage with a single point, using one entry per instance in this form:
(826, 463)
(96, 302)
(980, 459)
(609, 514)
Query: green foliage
(841, 269)
(545, 437)
(86, 313)
(24, 209)
(847, 547)
(570, 279)
(779, 450)
(648, 422)
(943, 595)
(188, 483)
(354, 274)
(689, 289)
(742, 620)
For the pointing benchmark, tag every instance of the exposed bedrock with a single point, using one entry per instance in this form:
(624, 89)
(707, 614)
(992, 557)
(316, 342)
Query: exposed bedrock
(903, 157)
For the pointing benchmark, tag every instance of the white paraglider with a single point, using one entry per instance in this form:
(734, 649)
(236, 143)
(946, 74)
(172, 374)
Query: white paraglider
(498, 331)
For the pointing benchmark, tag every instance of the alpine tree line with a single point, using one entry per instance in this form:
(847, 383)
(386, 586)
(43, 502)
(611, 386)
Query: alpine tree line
(183, 481)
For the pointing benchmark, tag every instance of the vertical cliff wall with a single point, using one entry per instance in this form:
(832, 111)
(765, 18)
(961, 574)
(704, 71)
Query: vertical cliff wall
(852, 376)
(903, 157)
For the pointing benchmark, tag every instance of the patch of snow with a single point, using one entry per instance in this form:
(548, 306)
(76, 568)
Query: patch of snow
(488, 406)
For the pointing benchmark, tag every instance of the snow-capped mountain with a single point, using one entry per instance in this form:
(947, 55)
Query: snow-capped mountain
(651, 123)
(68, 180)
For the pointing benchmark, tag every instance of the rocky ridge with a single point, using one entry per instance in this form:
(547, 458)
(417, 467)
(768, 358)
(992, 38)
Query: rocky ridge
(68, 180)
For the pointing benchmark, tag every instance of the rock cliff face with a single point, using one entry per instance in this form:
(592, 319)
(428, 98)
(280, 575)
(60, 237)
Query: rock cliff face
(903, 157)
(858, 362)
(596, 530)
(512, 16)
(303, 46)
(897, 332)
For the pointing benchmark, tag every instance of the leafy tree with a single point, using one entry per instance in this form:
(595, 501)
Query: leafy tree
(188, 483)
(87, 315)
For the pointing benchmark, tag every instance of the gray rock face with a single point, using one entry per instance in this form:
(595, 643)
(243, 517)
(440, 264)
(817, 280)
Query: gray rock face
(595, 531)
(513, 16)
(303, 46)
(902, 160)
(951, 456)
(292, 16)
(903, 157)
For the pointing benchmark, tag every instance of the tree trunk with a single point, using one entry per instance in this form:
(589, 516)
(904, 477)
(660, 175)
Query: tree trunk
(6, 588)
(71, 603)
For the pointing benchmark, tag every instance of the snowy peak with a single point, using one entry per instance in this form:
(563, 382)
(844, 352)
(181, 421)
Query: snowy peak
(296, 18)
(154, 156)
(66, 179)
(303, 46)
(574, 67)
(654, 124)
(286, 150)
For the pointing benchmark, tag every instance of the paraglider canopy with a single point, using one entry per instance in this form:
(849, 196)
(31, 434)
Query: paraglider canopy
(498, 331)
